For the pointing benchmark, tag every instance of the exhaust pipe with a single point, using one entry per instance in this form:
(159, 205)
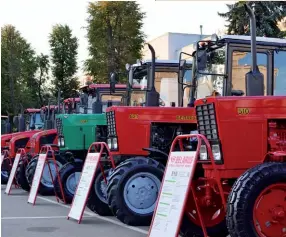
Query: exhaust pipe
(253, 37)
(152, 80)
(254, 80)
(152, 97)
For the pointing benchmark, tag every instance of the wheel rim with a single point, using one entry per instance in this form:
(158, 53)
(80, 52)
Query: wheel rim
(212, 209)
(72, 181)
(100, 187)
(46, 177)
(141, 192)
(269, 213)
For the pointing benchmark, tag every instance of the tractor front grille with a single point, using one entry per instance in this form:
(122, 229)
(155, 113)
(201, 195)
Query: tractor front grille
(207, 124)
(59, 126)
(111, 127)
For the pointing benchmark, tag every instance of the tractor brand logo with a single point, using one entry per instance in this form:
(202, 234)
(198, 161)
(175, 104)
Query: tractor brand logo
(243, 111)
(133, 116)
(182, 117)
(83, 121)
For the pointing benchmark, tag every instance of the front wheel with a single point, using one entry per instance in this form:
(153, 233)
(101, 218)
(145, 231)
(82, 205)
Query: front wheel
(256, 204)
(69, 175)
(213, 214)
(133, 189)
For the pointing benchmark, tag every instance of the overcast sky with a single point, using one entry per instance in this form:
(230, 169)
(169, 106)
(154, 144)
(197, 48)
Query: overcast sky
(35, 18)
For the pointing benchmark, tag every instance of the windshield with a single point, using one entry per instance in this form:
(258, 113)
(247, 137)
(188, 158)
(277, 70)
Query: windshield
(166, 84)
(209, 85)
(115, 99)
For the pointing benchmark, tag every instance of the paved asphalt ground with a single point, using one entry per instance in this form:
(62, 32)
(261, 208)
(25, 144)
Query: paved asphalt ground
(49, 219)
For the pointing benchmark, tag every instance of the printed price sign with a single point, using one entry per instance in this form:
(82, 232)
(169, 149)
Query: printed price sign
(173, 195)
(84, 185)
(12, 174)
(37, 178)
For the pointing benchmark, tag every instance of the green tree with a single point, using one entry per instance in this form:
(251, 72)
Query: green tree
(18, 67)
(268, 14)
(43, 71)
(64, 60)
(115, 37)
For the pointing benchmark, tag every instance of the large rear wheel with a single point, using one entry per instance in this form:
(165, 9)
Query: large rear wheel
(5, 171)
(21, 175)
(256, 204)
(133, 189)
(97, 199)
(46, 187)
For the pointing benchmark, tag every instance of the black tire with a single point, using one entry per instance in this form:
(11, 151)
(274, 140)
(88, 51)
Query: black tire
(5, 171)
(116, 185)
(245, 191)
(21, 175)
(30, 171)
(97, 200)
(65, 172)
(189, 229)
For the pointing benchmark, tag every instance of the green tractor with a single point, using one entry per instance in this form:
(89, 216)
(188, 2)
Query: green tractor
(77, 130)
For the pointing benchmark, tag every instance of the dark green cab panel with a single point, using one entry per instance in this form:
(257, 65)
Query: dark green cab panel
(78, 130)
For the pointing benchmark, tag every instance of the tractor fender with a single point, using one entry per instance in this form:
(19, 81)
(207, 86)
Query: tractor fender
(155, 153)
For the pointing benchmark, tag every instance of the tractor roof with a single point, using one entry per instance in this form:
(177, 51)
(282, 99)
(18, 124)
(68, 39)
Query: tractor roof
(259, 40)
(31, 110)
(77, 99)
(106, 86)
(4, 116)
(164, 63)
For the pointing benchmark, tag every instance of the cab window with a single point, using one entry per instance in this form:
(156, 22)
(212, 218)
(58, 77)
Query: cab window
(241, 64)
(279, 73)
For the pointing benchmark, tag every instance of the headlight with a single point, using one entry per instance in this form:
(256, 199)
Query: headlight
(114, 143)
(59, 142)
(109, 143)
(216, 152)
(203, 152)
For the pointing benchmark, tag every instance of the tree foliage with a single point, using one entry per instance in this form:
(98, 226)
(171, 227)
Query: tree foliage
(115, 37)
(64, 60)
(268, 14)
(42, 77)
(18, 67)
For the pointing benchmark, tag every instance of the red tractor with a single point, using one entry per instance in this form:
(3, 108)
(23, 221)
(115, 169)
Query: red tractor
(218, 71)
(246, 140)
(49, 135)
(13, 141)
(139, 138)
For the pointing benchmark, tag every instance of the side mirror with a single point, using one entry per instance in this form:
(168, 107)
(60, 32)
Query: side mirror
(113, 81)
(201, 60)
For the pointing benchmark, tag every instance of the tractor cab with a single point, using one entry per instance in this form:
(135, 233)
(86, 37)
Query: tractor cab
(165, 90)
(34, 120)
(95, 98)
(221, 64)
(4, 122)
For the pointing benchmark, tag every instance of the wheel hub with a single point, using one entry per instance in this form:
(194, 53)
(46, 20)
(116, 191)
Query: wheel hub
(270, 211)
(141, 191)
